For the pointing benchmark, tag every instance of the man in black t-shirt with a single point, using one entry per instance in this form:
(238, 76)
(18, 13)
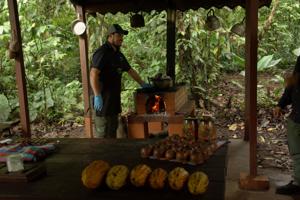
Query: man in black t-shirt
(108, 64)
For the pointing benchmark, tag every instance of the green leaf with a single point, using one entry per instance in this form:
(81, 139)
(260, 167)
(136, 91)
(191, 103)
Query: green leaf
(50, 102)
(267, 62)
(33, 113)
(4, 108)
(296, 52)
(274, 62)
(238, 61)
(1, 30)
(264, 62)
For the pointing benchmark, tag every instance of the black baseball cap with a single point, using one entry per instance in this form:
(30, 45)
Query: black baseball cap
(116, 28)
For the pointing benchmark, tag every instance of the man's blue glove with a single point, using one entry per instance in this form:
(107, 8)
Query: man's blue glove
(98, 103)
(146, 85)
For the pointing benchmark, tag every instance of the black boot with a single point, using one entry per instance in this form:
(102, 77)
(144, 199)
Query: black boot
(289, 189)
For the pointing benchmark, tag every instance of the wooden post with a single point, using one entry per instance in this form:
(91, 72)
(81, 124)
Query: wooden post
(251, 80)
(171, 40)
(19, 64)
(252, 181)
(83, 45)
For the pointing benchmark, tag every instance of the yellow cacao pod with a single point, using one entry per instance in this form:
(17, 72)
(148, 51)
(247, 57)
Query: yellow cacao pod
(197, 183)
(116, 177)
(139, 174)
(158, 178)
(94, 173)
(177, 178)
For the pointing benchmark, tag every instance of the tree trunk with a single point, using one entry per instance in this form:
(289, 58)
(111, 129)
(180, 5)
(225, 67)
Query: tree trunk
(269, 21)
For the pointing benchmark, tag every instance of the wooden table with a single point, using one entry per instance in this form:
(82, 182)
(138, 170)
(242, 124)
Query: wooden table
(63, 179)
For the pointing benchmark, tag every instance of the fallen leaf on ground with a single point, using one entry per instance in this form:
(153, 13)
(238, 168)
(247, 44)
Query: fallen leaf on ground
(271, 129)
(261, 139)
(232, 127)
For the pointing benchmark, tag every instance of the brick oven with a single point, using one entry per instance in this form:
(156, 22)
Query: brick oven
(159, 109)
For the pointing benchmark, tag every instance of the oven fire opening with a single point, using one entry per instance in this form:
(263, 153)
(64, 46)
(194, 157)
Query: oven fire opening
(155, 104)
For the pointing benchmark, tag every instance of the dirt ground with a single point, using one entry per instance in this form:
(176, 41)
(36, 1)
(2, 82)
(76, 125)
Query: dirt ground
(271, 133)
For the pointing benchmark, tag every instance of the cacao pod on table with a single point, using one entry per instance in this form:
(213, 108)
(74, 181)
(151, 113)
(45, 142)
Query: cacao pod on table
(158, 178)
(139, 174)
(197, 183)
(94, 173)
(116, 177)
(177, 178)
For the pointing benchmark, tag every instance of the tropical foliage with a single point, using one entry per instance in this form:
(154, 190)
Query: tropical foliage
(51, 52)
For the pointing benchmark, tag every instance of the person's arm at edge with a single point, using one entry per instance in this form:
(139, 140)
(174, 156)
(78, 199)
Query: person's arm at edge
(286, 98)
(283, 102)
(94, 81)
(135, 76)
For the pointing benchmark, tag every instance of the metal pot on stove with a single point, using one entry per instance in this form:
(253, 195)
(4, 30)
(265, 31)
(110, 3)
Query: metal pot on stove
(161, 82)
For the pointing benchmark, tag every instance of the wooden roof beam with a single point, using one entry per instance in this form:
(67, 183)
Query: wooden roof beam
(125, 6)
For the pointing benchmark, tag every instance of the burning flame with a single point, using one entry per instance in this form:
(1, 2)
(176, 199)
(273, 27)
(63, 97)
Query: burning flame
(155, 108)
(155, 104)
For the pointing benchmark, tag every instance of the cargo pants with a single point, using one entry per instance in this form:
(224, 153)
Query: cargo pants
(106, 127)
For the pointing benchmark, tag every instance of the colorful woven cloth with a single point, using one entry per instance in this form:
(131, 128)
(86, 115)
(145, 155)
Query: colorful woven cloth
(29, 153)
